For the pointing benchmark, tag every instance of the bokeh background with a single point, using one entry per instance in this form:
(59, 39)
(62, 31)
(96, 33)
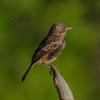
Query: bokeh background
(24, 23)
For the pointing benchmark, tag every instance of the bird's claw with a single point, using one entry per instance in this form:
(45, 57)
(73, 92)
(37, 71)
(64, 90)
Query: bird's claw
(50, 67)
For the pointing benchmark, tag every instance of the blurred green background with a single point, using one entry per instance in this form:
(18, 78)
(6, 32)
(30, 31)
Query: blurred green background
(24, 23)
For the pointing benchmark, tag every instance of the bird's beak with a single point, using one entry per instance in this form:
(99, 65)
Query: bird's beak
(69, 28)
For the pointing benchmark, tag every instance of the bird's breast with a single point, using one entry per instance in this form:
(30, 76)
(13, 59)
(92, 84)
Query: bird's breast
(47, 60)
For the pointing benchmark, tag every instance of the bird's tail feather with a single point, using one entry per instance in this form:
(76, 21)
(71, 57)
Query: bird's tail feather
(30, 67)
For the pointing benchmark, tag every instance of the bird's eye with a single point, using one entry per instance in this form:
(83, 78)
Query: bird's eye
(63, 28)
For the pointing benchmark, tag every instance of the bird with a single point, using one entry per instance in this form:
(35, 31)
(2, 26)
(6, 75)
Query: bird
(50, 47)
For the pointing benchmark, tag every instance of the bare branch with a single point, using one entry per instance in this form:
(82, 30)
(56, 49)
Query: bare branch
(61, 85)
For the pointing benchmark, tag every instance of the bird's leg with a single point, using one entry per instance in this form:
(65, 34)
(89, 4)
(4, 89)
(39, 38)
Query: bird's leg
(49, 66)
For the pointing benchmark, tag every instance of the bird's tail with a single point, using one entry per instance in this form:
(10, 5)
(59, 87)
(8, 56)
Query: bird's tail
(30, 67)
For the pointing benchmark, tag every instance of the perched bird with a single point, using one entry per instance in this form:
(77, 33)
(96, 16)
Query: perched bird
(50, 47)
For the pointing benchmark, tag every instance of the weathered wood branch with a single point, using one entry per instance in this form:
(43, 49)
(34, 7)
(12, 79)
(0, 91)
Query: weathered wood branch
(61, 85)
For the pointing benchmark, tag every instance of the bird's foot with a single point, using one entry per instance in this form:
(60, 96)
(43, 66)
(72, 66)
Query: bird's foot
(50, 67)
(51, 71)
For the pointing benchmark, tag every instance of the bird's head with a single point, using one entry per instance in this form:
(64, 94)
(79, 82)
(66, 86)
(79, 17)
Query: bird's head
(60, 29)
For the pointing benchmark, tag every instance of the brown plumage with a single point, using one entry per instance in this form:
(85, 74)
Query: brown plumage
(50, 47)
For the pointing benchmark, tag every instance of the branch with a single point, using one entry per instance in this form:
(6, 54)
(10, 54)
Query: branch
(61, 85)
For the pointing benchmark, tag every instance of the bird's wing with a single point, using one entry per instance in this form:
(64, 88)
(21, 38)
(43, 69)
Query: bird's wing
(43, 49)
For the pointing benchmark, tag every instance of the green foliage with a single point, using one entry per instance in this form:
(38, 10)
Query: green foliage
(23, 24)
